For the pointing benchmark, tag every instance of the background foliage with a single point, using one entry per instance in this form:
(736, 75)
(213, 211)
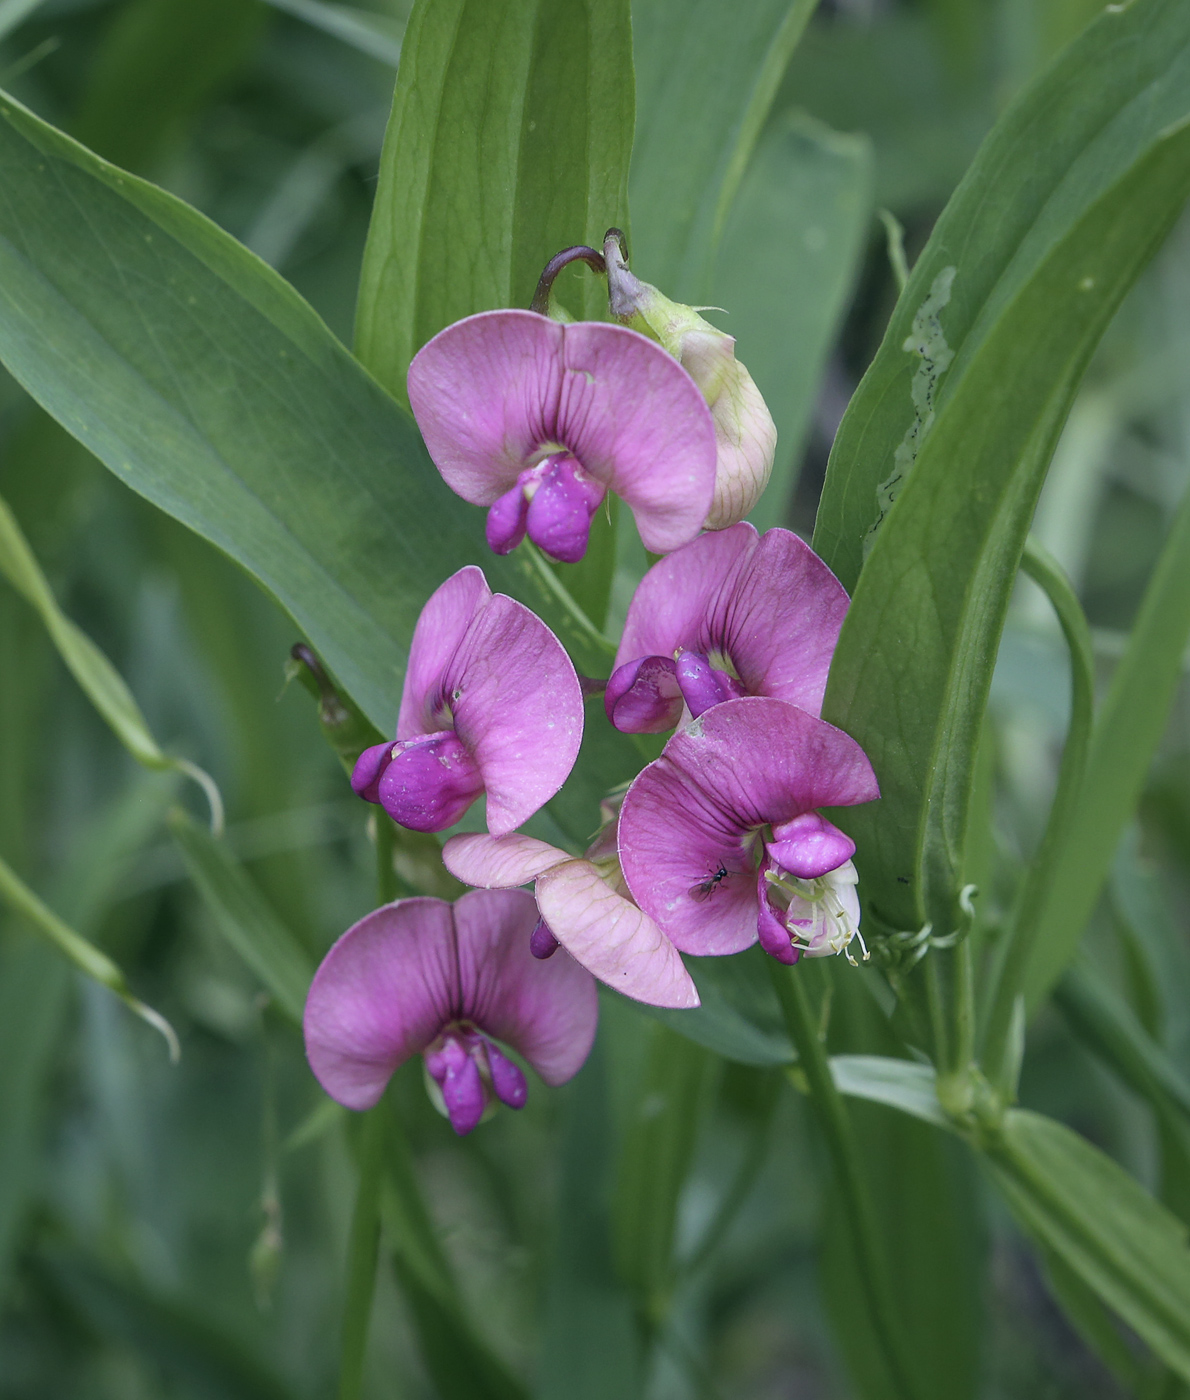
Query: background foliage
(668, 1225)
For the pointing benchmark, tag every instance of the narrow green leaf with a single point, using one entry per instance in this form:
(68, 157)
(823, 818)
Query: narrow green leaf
(590, 1347)
(198, 1356)
(1092, 1321)
(653, 1165)
(99, 679)
(206, 383)
(1126, 734)
(785, 270)
(707, 74)
(1102, 1224)
(363, 1249)
(1105, 1022)
(1056, 152)
(244, 917)
(900, 1084)
(85, 956)
(13, 13)
(509, 140)
(911, 674)
(379, 36)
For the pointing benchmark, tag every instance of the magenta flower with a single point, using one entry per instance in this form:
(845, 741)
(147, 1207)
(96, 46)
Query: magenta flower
(730, 614)
(585, 907)
(447, 981)
(491, 703)
(539, 420)
(720, 840)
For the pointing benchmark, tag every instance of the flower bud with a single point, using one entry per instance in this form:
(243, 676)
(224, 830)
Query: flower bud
(745, 434)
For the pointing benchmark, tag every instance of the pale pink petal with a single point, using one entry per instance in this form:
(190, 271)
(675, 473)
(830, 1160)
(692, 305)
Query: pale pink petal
(688, 823)
(547, 1011)
(440, 629)
(611, 937)
(382, 994)
(518, 709)
(498, 862)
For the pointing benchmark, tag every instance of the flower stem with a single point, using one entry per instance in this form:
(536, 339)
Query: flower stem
(362, 1250)
(1008, 974)
(387, 888)
(859, 1211)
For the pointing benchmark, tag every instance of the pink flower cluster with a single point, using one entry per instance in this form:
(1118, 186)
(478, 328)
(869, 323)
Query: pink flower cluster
(716, 845)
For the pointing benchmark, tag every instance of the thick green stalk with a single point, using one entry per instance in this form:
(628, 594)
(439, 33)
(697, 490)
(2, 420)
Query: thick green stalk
(1009, 975)
(859, 1211)
(362, 1250)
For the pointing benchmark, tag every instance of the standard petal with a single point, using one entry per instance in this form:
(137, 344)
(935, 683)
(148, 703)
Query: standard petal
(676, 601)
(440, 629)
(768, 603)
(636, 420)
(545, 1010)
(382, 994)
(695, 811)
(485, 393)
(498, 862)
(518, 708)
(611, 937)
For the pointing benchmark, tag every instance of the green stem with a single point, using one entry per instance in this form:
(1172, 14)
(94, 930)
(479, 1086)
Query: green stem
(858, 1209)
(363, 1248)
(964, 1015)
(387, 886)
(1009, 975)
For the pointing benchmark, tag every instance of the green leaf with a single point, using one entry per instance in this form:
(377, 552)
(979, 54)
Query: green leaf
(1125, 737)
(379, 36)
(99, 679)
(1102, 1224)
(206, 383)
(1055, 154)
(13, 13)
(913, 666)
(244, 917)
(900, 1084)
(785, 270)
(37, 915)
(200, 1358)
(590, 1346)
(509, 140)
(1092, 1321)
(739, 1017)
(653, 1165)
(707, 74)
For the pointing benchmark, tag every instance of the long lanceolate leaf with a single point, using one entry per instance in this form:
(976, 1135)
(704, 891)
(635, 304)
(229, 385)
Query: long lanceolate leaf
(99, 679)
(509, 140)
(206, 383)
(911, 674)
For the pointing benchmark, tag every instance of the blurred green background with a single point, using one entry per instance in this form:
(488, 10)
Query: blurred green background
(180, 1231)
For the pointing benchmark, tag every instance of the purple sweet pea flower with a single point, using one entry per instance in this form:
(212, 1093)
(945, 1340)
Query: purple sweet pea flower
(491, 703)
(447, 981)
(720, 841)
(585, 907)
(732, 613)
(538, 421)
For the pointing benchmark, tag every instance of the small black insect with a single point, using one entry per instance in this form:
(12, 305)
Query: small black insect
(708, 886)
(903, 879)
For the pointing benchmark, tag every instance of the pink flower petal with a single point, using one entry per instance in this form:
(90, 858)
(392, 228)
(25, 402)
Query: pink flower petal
(768, 603)
(382, 994)
(496, 391)
(498, 862)
(547, 1011)
(440, 629)
(694, 812)
(611, 937)
(518, 708)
